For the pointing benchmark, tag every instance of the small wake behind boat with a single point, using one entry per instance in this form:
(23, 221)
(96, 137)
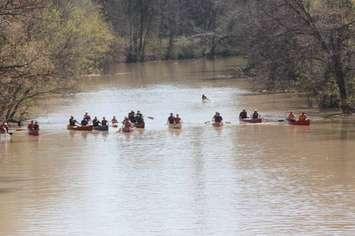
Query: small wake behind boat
(80, 128)
(299, 122)
(251, 120)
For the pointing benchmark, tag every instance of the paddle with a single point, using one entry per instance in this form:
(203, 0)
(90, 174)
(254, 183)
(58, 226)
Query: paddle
(150, 117)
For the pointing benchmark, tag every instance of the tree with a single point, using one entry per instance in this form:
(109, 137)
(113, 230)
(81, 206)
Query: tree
(302, 42)
(44, 47)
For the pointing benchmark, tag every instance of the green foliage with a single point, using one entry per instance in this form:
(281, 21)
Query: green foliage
(44, 47)
(77, 42)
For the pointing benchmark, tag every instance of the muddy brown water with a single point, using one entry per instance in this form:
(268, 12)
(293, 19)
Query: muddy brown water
(242, 179)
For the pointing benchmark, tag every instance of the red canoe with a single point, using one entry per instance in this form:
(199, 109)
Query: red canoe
(33, 132)
(251, 120)
(298, 122)
(127, 129)
(80, 128)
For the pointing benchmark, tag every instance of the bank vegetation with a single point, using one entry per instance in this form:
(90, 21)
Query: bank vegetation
(301, 45)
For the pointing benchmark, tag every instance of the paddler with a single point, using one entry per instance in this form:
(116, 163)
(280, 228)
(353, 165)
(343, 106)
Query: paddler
(243, 114)
(36, 126)
(217, 118)
(95, 122)
(84, 122)
(114, 120)
(72, 121)
(131, 117)
(4, 128)
(104, 122)
(171, 119)
(30, 125)
(126, 123)
(255, 115)
(291, 116)
(177, 119)
(302, 117)
(204, 97)
(87, 117)
(139, 118)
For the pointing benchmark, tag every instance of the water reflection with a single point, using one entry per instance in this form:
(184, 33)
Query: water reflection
(242, 179)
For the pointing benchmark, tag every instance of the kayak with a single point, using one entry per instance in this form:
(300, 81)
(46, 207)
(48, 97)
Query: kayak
(217, 124)
(175, 126)
(101, 128)
(140, 126)
(251, 120)
(80, 128)
(33, 132)
(298, 122)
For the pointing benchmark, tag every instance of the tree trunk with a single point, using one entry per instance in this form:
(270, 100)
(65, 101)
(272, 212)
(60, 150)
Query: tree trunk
(345, 104)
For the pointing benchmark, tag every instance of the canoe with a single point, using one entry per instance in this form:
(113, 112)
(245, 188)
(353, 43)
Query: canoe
(33, 132)
(298, 122)
(217, 124)
(251, 120)
(80, 128)
(175, 126)
(127, 130)
(140, 126)
(101, 128)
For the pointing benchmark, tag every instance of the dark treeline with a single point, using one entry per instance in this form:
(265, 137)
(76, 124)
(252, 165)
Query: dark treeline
(170, 29)
(305, 45)
(302, 45)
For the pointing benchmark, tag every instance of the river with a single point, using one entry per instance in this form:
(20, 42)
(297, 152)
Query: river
(242, 179)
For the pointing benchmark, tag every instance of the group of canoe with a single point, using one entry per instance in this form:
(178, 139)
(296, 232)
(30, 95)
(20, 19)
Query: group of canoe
(32, 128)
(136, 120)
(130, 122)
(217, 120)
